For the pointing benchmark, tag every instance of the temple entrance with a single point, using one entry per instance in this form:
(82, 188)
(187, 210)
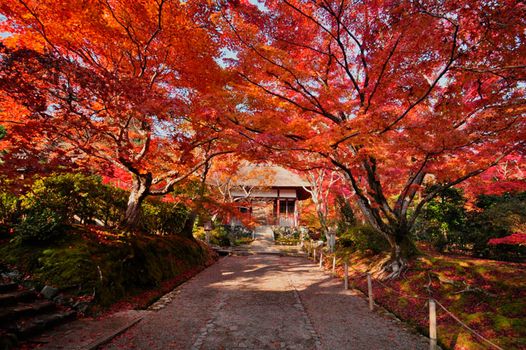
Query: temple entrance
(262, 212)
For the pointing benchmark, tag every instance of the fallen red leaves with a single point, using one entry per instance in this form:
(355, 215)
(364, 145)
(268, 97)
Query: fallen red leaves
(517, 238)
(489, 296)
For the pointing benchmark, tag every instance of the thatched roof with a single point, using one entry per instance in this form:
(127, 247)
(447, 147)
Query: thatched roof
(269, 176)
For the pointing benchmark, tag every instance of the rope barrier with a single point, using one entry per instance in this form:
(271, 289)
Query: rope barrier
(456, 318)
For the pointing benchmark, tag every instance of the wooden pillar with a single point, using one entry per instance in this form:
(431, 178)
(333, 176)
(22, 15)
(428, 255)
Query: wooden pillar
(296, 212)
(277, 210)
(370, 292)
(346, 275)
(432, 325)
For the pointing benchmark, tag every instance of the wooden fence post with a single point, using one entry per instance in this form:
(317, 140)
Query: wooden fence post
(321, 258)
(314, 254)
(432, 325)
(346, 275)
(370, 291)
(334, 264)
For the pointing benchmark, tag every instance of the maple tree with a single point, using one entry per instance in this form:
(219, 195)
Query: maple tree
(109, 84)
(322, 189)
(396, 95)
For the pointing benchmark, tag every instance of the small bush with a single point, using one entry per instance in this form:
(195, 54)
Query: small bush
(289, 233)
(40, 226)
(79, 198)
(443, 221)
(9, 213)
(364, 238)
(69, 195)
(448, 226)
(8, 208)
(218, 236)
(163, 218)
(238, 234)
(225, 235)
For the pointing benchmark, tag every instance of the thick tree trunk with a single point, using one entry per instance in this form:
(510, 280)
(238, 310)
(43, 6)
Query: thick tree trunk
(401, 249)
(189, 224)
(138, 193)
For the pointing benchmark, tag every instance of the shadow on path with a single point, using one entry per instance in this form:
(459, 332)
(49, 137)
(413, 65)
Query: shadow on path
(266, 302)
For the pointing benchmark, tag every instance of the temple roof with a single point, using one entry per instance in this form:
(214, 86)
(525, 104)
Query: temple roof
(269, 176)
(272, 176)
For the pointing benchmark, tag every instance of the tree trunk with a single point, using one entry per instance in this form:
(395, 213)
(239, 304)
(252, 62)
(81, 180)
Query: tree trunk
(189, 225)
(140, 189)
(401, 249)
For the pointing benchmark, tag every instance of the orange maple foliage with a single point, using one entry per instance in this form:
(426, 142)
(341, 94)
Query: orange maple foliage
(113, 83)
(393, 94)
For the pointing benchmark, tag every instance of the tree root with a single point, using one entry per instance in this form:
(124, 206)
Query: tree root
(393, 268)
(467, 288)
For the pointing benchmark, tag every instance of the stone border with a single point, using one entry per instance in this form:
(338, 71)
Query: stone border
(103, 340)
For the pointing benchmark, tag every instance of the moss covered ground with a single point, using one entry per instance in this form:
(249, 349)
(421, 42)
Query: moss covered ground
(106, 266)
(489, 296)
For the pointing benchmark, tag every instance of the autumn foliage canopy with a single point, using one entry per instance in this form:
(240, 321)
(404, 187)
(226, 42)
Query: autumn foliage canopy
(397, 96)
(113, 84)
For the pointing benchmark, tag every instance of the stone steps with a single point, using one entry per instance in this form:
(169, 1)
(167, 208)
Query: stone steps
(20, 310)
(7, 287)
(34, 325)
(14, 297)
(25, 313)
(264, 233)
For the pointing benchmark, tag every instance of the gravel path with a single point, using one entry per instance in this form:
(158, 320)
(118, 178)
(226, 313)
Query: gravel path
(265, 302)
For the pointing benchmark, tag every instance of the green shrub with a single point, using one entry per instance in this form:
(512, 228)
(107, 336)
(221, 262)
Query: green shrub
(218, 236)
(68, 195)
(9, 213)
(238, 234)
(111, 208)
(287, 241)
(162, 217)
(447, 225)
(286, 233)
(79, 198)
(39, 226)
(8, 208)
(500, 216)
(443, 221)
(225, 235)
(364, 238)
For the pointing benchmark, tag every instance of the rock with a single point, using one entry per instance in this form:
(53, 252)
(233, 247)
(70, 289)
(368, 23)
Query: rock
(49, 292)
(82, 307)
(59, 299)
(12, 275)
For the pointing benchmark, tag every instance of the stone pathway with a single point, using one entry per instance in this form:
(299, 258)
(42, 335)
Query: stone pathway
(266, 302)
(264, 233)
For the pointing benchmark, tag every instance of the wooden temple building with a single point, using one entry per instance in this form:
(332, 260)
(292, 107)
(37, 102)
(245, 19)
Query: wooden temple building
(270, 194)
